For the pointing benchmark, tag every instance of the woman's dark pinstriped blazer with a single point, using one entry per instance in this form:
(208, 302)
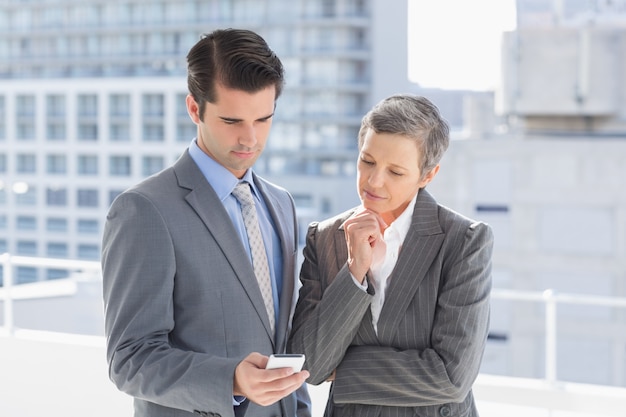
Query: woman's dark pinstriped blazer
(432, 328)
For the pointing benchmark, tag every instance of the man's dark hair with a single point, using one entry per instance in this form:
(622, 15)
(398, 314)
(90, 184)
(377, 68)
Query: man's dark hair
(237, 59)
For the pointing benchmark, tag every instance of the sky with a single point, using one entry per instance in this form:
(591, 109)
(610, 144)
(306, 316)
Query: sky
(455, 44)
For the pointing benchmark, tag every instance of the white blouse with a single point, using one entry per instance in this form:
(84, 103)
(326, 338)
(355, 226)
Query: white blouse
(386, 258)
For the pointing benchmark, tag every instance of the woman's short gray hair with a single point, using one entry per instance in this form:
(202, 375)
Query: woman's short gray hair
(412, 116)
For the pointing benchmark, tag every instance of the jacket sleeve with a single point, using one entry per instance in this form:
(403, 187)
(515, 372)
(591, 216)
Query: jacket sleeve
(330, 308)
(138, 265)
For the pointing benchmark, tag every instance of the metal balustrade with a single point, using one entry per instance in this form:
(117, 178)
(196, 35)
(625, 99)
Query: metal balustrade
(511, 396)
(8, 262)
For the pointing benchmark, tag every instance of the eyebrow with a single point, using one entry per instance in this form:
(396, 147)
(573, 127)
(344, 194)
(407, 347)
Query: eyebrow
(233, 119)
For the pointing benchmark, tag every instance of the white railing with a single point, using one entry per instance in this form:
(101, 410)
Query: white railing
(551, 299)
(8, 262)
(547, 394)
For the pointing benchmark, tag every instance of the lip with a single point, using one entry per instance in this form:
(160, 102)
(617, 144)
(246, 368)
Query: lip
(371, 196)
(244, 155)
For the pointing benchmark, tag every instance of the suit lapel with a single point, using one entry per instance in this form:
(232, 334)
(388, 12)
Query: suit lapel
(207, 205)
(366, 333)
(341, 249)
(422, 242)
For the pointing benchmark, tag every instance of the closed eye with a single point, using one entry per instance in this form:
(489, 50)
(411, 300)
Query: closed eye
(230, 121)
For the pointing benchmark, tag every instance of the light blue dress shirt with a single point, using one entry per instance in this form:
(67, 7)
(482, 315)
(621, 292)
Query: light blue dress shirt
(223, 182)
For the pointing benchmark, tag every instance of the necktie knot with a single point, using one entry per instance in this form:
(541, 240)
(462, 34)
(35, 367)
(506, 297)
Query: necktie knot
(243, 194)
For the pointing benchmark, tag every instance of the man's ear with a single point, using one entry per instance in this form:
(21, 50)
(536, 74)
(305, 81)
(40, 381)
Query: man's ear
(193, 109)
(429, 177)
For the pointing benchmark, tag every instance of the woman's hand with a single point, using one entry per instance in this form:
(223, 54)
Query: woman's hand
(365, 242)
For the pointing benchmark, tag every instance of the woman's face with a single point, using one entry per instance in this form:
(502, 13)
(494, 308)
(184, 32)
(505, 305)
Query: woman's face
(388, 173)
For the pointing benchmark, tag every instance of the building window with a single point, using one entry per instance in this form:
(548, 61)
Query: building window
(2, 113)
(113, 195)
(55, 106)
(153, 132)
(25, 131)
(119, 132)
(119, 166)
(3, 246)
(26, 247)
(26, 274)
(55, 114)
(153, 112)
(153, 105)
(57, 273)
(87, 198)
(26, 164)
(185, 131)
(25, 105)
(87, 105)
(87, 165)
(57, 250)
(3, 163)
(56, 164)
(151, 165)
(56, 224)
(55, 131)
(56, 197)
(27, 196)
(87, 131)
(119, 105)
(3, 222)
(86, 251)
(26, 223)
(86, 226)
(181, 106)
(119, 113)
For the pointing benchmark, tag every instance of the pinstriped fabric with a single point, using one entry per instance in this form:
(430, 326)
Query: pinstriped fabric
(432, 328)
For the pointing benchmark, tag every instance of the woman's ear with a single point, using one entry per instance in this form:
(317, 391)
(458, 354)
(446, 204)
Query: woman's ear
(429, 177)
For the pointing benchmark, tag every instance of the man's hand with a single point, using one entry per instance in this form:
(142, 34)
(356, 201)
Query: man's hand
(265, 386)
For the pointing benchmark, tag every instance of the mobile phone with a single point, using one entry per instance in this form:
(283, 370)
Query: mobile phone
(286, 360)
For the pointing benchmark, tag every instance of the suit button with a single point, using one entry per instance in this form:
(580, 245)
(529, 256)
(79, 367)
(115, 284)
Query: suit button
(444, 411)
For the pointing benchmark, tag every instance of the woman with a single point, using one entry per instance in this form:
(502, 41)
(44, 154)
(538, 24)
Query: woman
(394, 304)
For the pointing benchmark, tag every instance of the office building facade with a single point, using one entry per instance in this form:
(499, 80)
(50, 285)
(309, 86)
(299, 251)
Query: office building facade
(92, 100)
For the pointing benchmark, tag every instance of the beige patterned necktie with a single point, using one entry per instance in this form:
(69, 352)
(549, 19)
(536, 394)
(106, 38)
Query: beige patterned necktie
(259, 258)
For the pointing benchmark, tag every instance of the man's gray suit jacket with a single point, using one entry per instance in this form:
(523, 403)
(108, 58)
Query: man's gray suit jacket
(182, 305)
(432, 328)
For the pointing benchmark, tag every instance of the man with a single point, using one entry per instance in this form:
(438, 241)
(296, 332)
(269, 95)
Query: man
(188, 329)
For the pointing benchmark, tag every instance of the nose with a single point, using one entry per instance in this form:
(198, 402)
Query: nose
(247, 136)
(376, 178)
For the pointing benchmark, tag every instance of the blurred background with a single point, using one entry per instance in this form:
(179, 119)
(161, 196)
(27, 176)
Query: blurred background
(92, 101)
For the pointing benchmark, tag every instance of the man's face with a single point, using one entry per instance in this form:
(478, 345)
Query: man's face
(233, 130)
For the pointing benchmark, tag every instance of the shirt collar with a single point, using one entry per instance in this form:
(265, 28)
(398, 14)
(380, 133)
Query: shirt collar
(402, 224)
(221, 180)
